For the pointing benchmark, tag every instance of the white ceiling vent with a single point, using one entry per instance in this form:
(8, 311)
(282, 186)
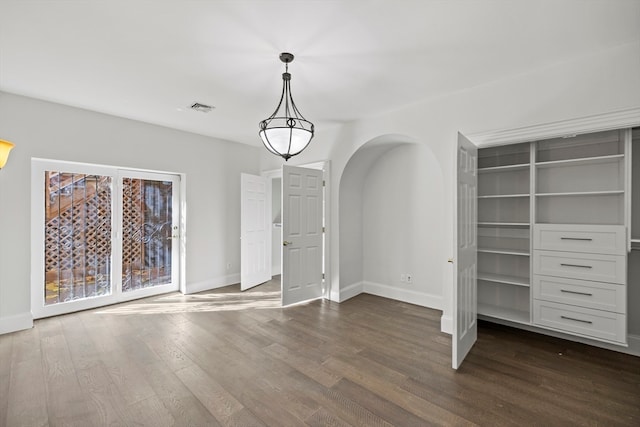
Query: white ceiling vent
(201, 107)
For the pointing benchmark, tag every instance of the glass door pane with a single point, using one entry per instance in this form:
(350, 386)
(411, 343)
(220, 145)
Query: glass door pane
(77, 227)
(147, 222)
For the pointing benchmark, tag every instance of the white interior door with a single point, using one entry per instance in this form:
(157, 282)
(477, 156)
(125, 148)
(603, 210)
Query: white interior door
(255, 231)
(301, 234)
(465, 295)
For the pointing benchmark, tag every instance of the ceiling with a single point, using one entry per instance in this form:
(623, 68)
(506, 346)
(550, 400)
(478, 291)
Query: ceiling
(150, 60)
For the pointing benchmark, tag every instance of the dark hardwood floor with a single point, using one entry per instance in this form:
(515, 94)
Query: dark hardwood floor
(225, 358)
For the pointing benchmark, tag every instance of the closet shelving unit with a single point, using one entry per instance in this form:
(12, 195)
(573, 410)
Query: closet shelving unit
(581, 181)
(559, 234)
(504, 232)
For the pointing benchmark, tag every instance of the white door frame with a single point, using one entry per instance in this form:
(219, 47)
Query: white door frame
(38, 165)
(326, 173)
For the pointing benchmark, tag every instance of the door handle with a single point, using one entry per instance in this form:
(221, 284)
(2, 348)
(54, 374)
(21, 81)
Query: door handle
(285, 243)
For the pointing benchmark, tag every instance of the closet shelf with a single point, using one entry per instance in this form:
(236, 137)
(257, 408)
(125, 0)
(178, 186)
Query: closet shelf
(502, 196)
(503, 278)
(581, 193)
(504, 313)
(521, 166)
(504, 251)
(581, 161)
(503, 224)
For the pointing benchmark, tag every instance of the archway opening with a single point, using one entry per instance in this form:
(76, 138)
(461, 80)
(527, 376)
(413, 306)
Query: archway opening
(391, 215)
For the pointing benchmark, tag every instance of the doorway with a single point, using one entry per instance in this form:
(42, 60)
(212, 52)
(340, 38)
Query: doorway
(295, 242)
(101, 235)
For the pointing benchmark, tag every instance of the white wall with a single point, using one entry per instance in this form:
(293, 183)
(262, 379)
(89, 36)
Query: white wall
(398, 218)
(52, 131)
(604, 81)
(386, 218)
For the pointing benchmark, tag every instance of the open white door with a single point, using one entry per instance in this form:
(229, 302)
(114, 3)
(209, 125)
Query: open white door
(301, 234)
(255, 231)
(465, 295)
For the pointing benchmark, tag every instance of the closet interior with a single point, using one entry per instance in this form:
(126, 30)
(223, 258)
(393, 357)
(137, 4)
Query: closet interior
(559, 234)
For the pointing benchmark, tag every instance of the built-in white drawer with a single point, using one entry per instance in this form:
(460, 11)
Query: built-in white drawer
(596, 267)
(583, 293)
(601, 325)
(596, 239)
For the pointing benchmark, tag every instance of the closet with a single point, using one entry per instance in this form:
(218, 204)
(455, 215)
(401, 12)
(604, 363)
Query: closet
(556, 233)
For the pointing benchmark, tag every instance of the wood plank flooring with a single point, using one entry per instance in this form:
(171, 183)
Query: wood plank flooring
(232, 359)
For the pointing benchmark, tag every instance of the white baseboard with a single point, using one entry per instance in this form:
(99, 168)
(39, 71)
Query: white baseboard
(350, 291)
(391, 292)
(16, 322)
(446, 324)
(208, 285)
(634, 345)
(404, 295)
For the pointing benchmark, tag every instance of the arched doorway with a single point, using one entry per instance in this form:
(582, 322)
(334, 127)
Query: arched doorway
(391, 197)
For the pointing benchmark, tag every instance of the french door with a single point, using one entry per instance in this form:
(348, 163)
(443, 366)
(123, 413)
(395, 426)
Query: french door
(101, 235)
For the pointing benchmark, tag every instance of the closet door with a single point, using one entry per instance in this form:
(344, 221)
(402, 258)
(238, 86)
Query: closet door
(465, 299)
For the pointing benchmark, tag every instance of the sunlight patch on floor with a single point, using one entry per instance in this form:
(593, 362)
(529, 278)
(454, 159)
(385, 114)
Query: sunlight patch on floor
(221, 296)
(177, 303)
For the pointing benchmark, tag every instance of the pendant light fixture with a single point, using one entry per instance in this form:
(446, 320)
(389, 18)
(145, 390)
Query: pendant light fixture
(286, 132)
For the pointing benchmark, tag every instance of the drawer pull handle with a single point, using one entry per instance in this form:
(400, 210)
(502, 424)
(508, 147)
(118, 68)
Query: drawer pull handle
(576, 320)
(576, 265)
(585, 239)
(577, 293)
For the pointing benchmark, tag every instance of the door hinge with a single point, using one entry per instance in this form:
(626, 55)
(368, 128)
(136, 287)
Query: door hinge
(324, 183)
(323, 229)
(322, 276)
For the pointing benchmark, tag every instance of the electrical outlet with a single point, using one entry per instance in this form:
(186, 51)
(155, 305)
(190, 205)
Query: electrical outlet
(409, 278)
(403, 278)
(228, 266)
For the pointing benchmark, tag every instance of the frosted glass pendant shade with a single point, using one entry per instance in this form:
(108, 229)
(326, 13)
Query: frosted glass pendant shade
(285, 141)
(5, 147)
